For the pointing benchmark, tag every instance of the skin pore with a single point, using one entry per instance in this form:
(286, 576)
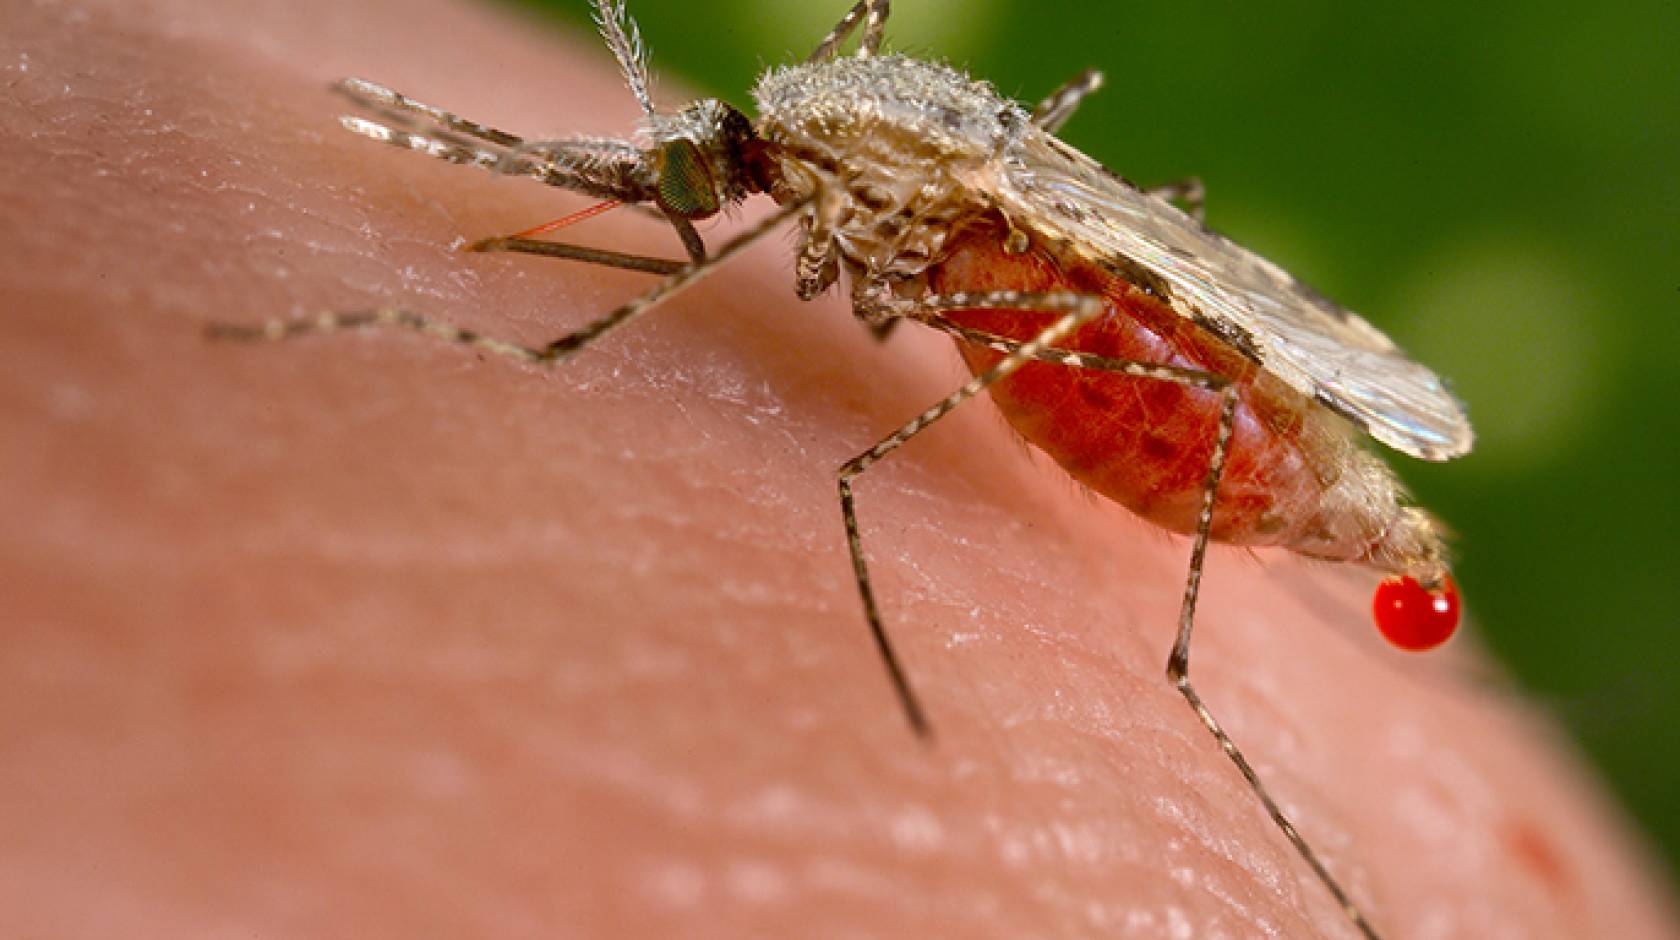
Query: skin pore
(365, 635)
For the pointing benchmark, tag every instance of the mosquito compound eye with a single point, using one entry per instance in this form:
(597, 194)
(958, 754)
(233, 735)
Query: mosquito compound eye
(1414, 617)
(685, 182)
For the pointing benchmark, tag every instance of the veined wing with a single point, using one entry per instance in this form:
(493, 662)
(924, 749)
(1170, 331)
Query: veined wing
(1313, 345)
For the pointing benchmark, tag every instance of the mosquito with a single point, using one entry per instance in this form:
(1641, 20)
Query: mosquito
(1106, 307)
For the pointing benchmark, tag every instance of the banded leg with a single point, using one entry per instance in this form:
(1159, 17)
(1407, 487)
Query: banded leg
(1178, 673)
(1076, 310)
(1195, 378)
(1178, 665)
(555, 351)
(880, 310)
(1055, 110)
(874, 15)
(1188, 191)
(874, 29)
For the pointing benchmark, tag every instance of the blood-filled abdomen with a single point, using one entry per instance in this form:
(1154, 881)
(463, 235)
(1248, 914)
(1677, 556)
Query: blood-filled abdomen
(1294, 476)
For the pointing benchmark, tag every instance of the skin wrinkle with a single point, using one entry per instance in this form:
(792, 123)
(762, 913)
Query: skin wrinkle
(368, 636)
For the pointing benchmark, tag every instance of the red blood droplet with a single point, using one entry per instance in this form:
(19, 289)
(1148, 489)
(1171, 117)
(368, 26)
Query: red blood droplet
(1413, 617)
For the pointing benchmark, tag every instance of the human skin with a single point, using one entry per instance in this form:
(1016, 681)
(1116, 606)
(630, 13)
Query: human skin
(367, 635)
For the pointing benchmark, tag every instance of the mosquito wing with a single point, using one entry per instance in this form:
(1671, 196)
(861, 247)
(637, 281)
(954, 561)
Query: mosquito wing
(1313, 345)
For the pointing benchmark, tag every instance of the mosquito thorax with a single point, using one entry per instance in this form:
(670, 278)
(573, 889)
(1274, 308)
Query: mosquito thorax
(907, 140)
(699, 159)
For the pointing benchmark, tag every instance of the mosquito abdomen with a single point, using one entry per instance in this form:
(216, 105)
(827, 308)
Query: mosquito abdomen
(1294, 478)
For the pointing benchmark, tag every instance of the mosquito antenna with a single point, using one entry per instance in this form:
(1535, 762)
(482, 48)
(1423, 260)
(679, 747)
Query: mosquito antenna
(625, 41)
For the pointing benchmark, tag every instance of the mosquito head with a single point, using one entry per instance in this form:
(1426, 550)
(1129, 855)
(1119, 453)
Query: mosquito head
(704, 158)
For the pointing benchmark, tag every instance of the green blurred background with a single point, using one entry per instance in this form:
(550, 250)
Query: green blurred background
(1496, 185)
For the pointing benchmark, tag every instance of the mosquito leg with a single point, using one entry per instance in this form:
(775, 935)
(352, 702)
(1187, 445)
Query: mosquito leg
(1194, 378)
(1178, 670)
(1055, 110)
(880, 310)
(831, 43)
(1075, 310)
(1178, 665)
(874, 11)
(559, 349)
(874, 28)
(1188, 191)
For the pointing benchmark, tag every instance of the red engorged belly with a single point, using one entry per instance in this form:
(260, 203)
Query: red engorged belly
(1146, 443)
